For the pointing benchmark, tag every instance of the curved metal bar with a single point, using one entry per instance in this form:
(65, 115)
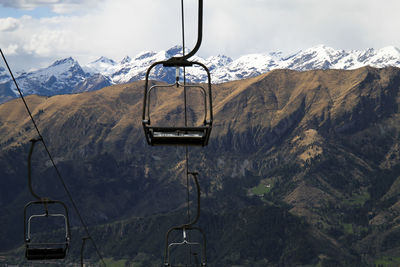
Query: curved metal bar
(47, 202)
(182, 61)
(146, 121)
(149, 98)
(209, 89)
(177, 84)
(199, 35)
(33, 142)
(183, 243)
(205, 97)
(194, 174)
(146, 85)
(47, 215)
(187, 226)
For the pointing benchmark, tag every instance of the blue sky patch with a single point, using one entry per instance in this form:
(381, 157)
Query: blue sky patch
(39, 12)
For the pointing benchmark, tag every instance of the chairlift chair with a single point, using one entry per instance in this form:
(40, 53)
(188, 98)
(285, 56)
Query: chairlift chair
(35, 250)
(45, 250)
(182, 134)
(201, 245)
(186, 242)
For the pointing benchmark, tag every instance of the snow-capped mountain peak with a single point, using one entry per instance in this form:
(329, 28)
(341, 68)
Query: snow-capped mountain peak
(102, 65)
(387, 56)
(174, 51)
(126, 60)
(317, 57)
(225, 69)
(104, 60)
(143, 55)
(389, 50)
(327, 53)
(217, 61)
(65, 61)
(58, 78)
(4, 77)
(67, 76)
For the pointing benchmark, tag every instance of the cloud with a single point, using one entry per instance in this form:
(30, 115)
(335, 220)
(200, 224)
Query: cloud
(116, 28)
(244, 26)
(11, 49)
(8, 24)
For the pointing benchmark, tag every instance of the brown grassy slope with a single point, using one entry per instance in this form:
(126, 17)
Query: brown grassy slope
(270, 98)
(264, 101)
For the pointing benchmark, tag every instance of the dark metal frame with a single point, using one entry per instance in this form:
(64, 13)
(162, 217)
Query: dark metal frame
(185, 242)
(188, 227)
(199, 35)
(182, 135)
(45, 251)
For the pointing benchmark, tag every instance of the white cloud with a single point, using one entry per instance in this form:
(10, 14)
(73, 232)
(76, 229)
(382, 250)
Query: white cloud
(11, 49)
(116, 28)
(290, 25)
(8, 24)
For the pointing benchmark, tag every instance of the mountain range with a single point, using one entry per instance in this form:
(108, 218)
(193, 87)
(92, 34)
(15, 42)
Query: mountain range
(67, 76)
(302, 169)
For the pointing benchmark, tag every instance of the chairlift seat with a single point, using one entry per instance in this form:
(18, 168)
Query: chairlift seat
(45, 253)
(196, 136)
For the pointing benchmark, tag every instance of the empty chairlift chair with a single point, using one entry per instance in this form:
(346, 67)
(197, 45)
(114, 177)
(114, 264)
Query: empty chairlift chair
(180, 133)
(51, 249)
(191, 251)
(55, 213)
(196, 249)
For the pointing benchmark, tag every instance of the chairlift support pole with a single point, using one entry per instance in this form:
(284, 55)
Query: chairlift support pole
(82, 248)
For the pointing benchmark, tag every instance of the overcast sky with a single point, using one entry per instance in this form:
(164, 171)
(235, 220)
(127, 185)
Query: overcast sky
(34, 33)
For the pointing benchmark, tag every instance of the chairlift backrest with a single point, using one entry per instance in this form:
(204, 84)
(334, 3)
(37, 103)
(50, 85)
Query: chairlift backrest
(200, 102)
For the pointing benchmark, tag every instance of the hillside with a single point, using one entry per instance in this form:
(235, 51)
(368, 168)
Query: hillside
(301, 168)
